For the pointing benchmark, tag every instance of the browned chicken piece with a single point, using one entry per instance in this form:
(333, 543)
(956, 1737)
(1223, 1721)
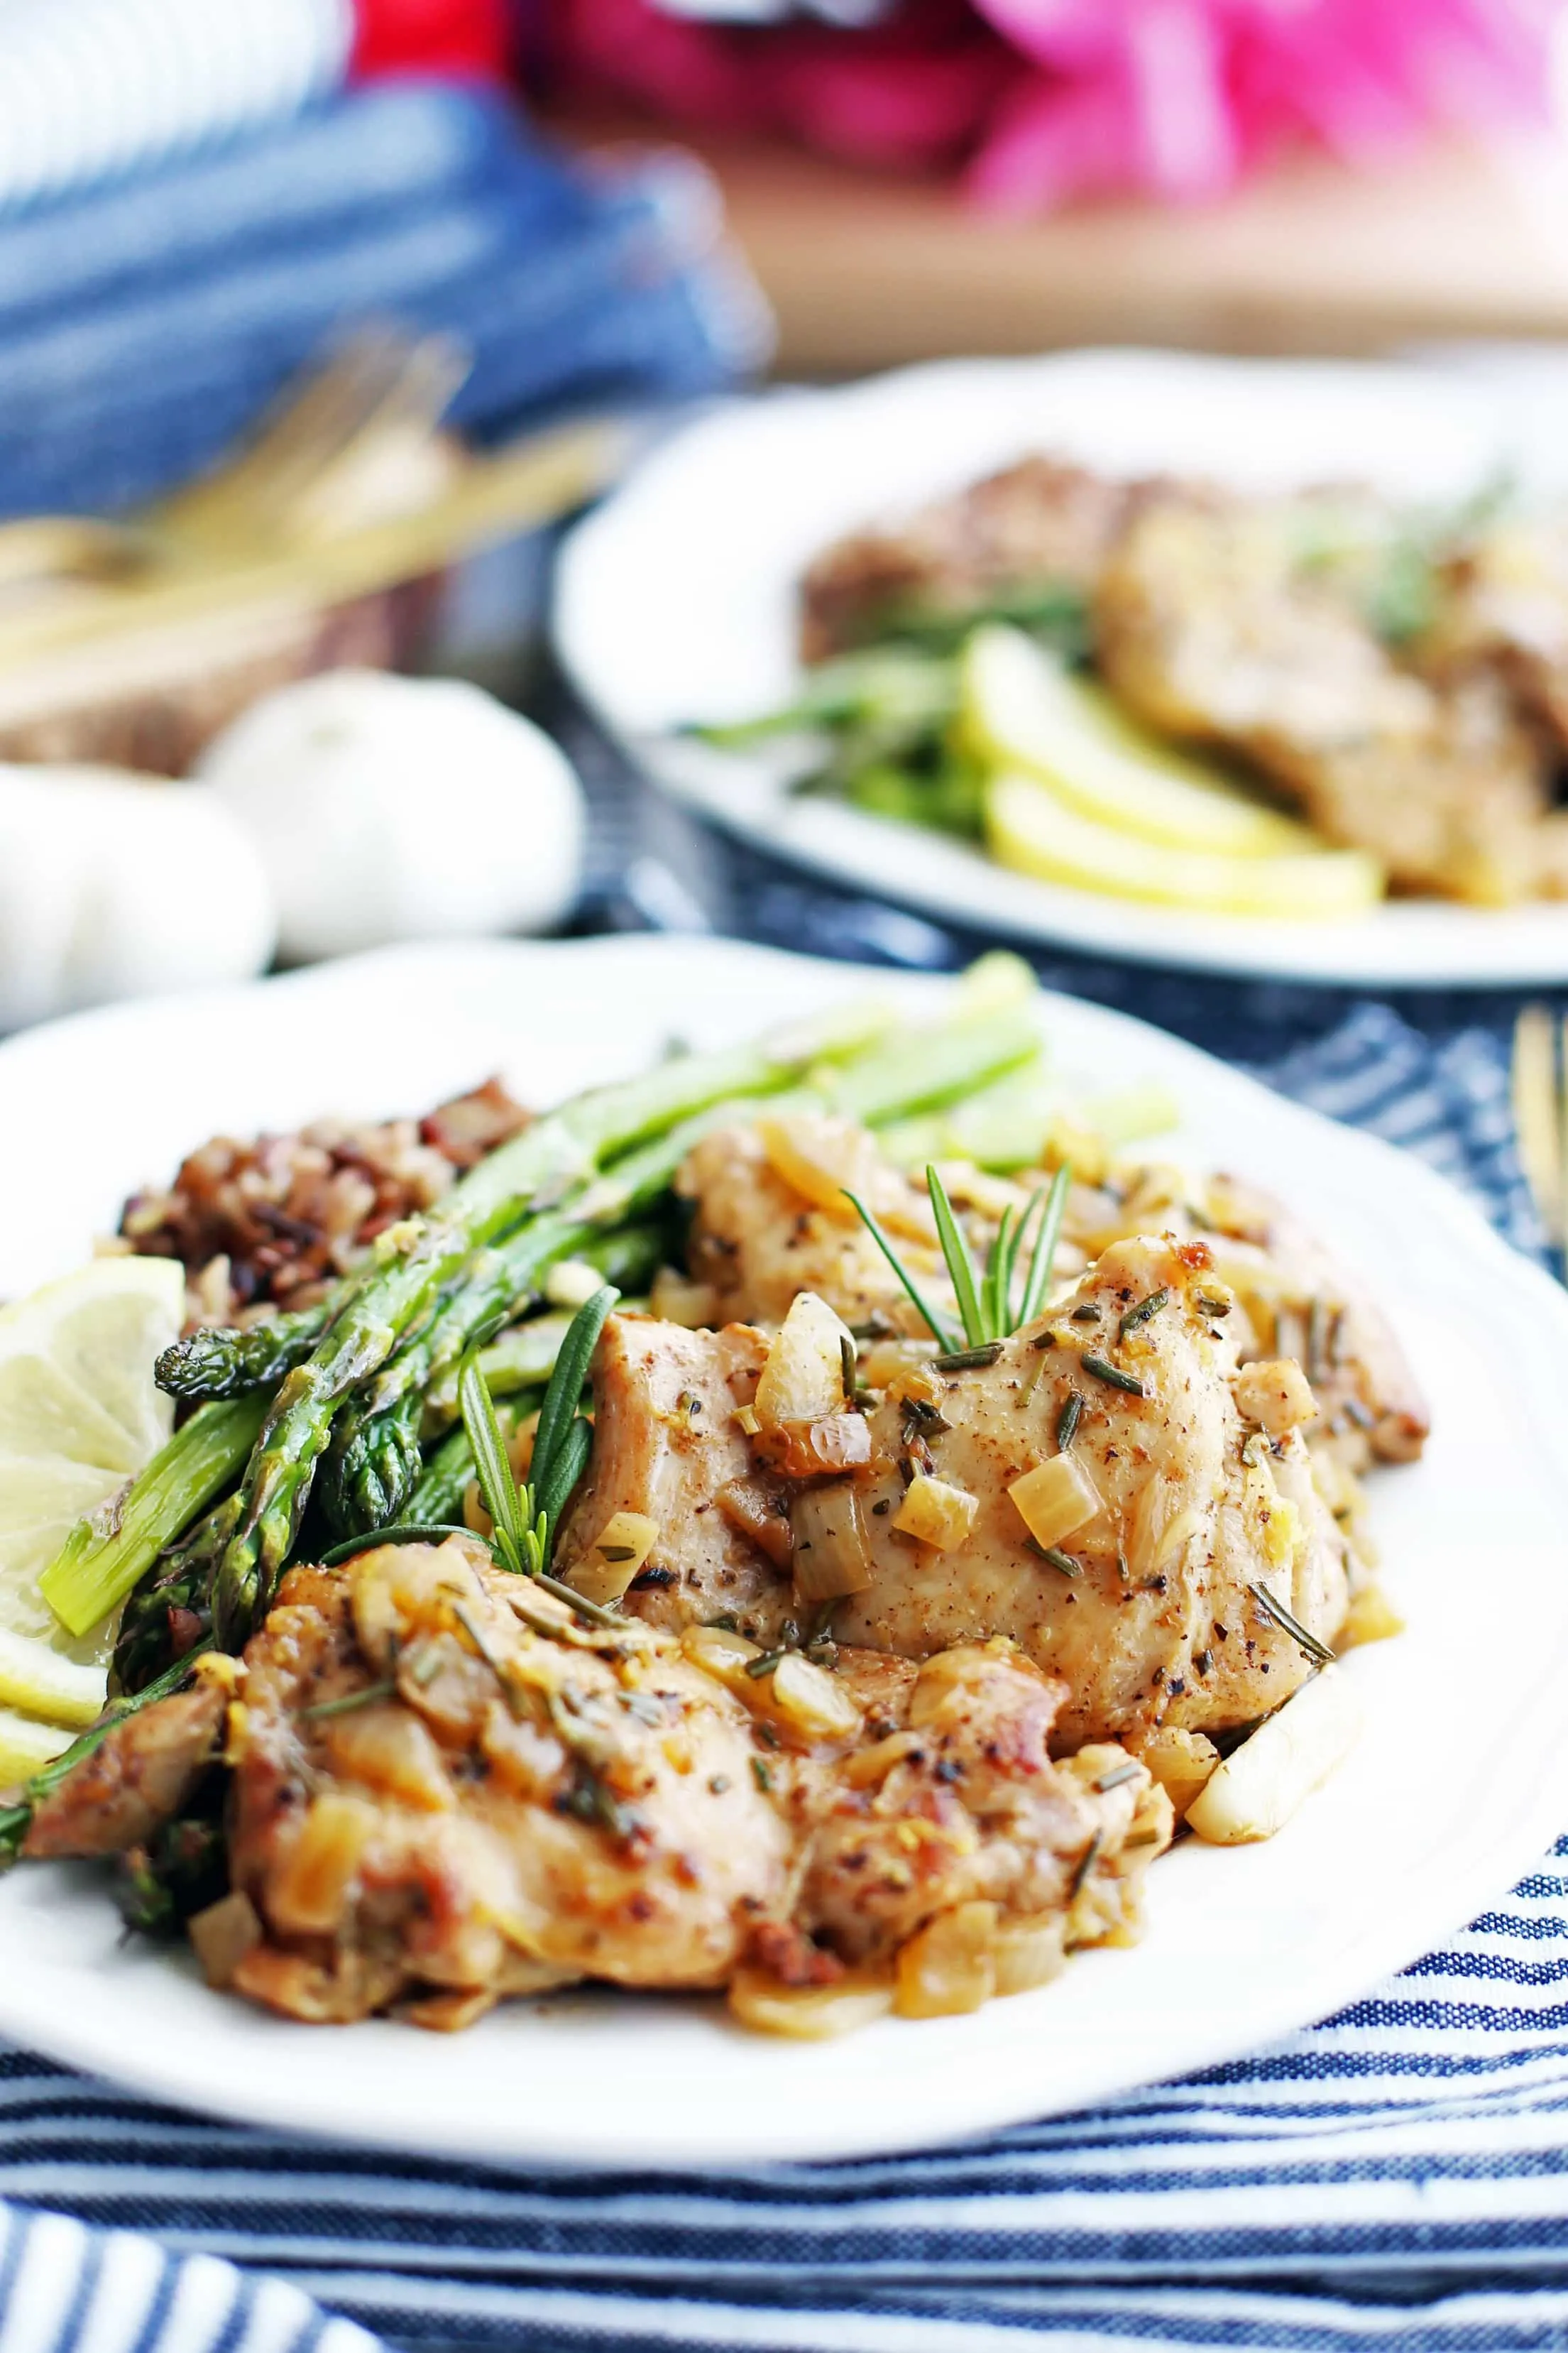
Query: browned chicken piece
(1157, 1534)
(1502, 606)
(1210, 625)
(965, 1765)
(668, 1447)
(774, 1219)
(1299, 1300)
(526, 1803)
(1035, 526)
(446, 1789)
(140, 1773)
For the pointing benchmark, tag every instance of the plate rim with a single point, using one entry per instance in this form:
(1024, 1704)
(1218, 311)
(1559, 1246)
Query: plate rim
(1532, 1828)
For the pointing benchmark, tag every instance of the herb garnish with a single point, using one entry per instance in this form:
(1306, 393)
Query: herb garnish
(366, 1697)
(992, 1304)
(1114, 1374)
(525, 1520)
(1069, 1419)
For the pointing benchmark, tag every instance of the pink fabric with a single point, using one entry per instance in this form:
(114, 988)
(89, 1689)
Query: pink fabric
(1039, 102)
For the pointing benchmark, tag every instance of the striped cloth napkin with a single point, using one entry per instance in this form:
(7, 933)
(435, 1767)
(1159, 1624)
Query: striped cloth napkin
(1395, 2177)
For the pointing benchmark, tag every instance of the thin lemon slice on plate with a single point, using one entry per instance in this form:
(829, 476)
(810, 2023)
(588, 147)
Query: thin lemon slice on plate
(80, 1414)
(1023, 710)
(1030, 829)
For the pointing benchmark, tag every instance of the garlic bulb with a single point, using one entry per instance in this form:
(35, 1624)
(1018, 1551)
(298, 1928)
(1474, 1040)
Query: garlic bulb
(396, 808)
(115, 886)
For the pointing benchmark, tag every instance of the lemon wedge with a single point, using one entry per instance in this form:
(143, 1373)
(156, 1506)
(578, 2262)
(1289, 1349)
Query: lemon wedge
(79, 1415)
(1030, 829)
(26, 1746)
(1022, 709)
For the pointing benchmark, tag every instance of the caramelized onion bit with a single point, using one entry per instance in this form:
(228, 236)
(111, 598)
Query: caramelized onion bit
(950, 1967)
(615, 1556)
(937, 1514)
(809, 2013)
(831, 1554)
(1055, 1499)
(758, 1511)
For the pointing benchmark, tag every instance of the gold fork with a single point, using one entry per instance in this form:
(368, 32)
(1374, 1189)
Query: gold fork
(1540, 1088)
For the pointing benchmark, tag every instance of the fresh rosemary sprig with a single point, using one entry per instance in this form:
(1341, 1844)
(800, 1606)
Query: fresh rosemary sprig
(525, 1520)
(991, 1304)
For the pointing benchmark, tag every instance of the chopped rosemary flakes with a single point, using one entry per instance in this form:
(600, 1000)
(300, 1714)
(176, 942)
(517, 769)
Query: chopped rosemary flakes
(1085, 1864)
(350, 1701)
(614, 1553)
(1114, 1376)
(760, 1774)
(1143, 1313)
(758, 1668)
(1128, 1772)
(1271, 1607)
(1087, 1313)
(1069, 1419)
(1058, 1558)
(967, 1360)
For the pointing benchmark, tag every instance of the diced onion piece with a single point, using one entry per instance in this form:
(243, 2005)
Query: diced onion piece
(813, 1450)
(1056, 1498)
(615, 1556)
(809, 2013)
(311, 1891)
(803, 1379)
(753, 1506)
(821, 1158)
(825, 1159)
(1029, 1953)
(888, 1361)
(675, 1298)
(1275, 1396)
(830, 1552)
(937, 1514)
(1257, 1788)
(869, 1766)
(950, 1967)
(223, 1935)
(572, 1282)
(389, 1750)
(814, 1702)
(719, 1652)
(1371, 1618)
(1182, 1762)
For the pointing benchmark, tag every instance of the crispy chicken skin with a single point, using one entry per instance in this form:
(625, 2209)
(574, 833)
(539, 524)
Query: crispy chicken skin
(445, 1789)
(1160, 1626)
(1210, 626)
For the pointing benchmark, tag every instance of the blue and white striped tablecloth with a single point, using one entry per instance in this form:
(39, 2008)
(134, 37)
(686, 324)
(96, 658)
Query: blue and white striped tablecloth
(1397, 2175)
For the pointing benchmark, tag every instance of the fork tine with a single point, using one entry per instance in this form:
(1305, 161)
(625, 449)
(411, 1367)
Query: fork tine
(1539, 1115)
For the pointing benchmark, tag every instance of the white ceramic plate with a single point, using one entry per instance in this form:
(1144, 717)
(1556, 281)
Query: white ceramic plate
(676, 602)
(1458, 1783)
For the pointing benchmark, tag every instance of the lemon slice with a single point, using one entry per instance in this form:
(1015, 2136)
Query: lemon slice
(26, 1746)
(79, 1415)
(1023, 710)
(1033, 832)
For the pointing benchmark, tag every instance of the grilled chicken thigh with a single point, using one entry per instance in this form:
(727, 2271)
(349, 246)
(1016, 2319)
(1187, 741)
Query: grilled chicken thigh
(1210, 626)
(445, 1789)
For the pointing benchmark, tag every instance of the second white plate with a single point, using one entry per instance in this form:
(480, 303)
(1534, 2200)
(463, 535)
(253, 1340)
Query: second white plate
(676, 602)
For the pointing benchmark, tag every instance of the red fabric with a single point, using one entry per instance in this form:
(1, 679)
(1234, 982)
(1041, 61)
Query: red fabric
(455, 37)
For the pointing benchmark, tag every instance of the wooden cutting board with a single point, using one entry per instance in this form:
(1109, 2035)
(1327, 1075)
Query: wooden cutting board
(866, 272)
